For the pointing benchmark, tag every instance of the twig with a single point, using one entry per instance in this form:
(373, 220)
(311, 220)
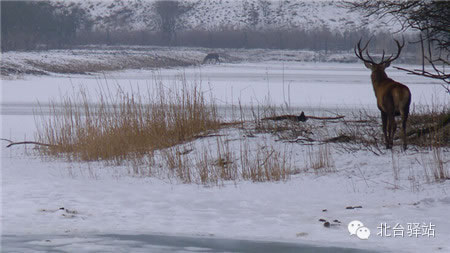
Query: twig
(267, 158)
(12, 143)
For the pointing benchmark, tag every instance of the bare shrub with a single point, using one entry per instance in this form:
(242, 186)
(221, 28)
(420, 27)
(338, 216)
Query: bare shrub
(429, 126)
(363, 132)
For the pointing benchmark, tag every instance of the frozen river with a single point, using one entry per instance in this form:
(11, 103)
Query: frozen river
(122, 213)
(156, 244)
(309, 87)
(277, 83)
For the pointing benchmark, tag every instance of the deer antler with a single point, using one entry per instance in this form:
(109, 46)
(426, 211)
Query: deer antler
(399, 50)
(391, 58)
(360, 51)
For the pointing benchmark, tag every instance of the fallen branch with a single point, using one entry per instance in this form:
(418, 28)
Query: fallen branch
(301, 118)
(12, 143)
(325, 118)
(364, 121)
(340, 138)
(233, 123)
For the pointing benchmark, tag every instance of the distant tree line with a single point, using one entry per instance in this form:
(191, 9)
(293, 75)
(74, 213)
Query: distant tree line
(40, 25)
(29, 25)
(319, 39)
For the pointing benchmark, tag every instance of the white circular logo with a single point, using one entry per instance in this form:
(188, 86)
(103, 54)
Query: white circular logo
(363, 233)
(357, 228)
(353, 226)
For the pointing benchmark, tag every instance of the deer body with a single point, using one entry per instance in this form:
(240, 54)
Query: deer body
(211, 57)
(390, 93)
(393, 98)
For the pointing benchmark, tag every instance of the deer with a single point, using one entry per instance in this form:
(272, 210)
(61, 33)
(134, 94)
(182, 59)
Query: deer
(393, 98)
(210, 57)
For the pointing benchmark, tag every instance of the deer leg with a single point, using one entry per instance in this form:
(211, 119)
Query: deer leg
(394, 129)
(404, 119)
(391, 127)
(384, 121)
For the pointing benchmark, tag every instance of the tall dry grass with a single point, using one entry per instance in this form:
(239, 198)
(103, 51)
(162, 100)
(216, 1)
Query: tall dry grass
(320, 160)
(124, 124)
(265, 163)
(219, 163)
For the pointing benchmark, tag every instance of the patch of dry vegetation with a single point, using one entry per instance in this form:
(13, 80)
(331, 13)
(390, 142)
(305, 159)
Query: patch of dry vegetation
(289, 129)
(266, 163)
(429, 127)
(125, 125)
(222, 163)
(154, 135)
(320, 160)
(8, 69)
(118, 62)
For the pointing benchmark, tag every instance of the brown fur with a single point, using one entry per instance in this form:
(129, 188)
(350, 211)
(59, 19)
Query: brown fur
(393, 99)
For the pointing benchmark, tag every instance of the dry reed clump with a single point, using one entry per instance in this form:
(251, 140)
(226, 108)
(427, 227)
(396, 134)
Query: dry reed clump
(265, 164)
(125, 124)
(320, 160)
(217, 165)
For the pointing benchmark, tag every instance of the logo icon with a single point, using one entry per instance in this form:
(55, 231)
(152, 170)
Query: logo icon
(357, 228)
(363, 233)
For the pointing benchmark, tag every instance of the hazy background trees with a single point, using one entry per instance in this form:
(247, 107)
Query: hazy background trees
(42, 25)
(169, 12)
(27, 25)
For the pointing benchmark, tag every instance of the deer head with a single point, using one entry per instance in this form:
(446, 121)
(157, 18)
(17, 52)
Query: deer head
(371, 64)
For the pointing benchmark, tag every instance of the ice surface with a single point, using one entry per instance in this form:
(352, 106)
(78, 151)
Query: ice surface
(99, 199)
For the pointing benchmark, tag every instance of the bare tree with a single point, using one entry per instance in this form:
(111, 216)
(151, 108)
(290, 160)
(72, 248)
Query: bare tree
(169, 12)
(431, 18)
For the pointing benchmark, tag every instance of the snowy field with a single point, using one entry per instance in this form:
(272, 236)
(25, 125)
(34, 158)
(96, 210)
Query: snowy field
(68, 205)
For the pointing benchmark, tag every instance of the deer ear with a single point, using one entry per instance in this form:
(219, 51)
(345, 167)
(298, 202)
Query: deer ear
(368, 65)
(387, 64)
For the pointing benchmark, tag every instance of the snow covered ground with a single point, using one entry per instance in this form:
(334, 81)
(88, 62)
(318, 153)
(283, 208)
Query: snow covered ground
(52, 198)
